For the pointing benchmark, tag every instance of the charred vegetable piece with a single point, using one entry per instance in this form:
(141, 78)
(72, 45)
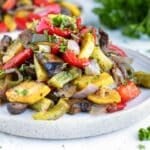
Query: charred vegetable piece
(43, 105)
(87, 46)
(12, 50)
(142, 79)
(10, 22)
(79, 105)
(101, 80)
(26, 36)
(73, 8)
(16, 108)
(40, 71)
(105, 96)
(128, 91)
(110, 108)
(5, 42)
(60, 79)
(53, 68)
(28, 92)
(104, 62)
(56, 112)
(39, 38)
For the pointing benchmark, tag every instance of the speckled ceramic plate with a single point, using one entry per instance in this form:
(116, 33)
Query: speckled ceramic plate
(81, 125)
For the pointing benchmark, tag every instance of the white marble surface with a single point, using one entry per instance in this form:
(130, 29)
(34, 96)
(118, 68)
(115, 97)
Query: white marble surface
(125, 139)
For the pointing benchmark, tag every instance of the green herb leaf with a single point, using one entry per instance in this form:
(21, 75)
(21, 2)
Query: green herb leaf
(23, 92)
(131, 16)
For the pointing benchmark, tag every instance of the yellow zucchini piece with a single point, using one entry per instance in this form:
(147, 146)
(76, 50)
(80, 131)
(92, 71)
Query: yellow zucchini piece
(56, 112)
(12, 50)
(43, 105)
(142, 79)
(28, 92)
(21, 13)
(87, 46)
(102, 80)
(40, 71)
(104, 62)
(72, 7)
(25, 2)
(105, 96)
(10, 22)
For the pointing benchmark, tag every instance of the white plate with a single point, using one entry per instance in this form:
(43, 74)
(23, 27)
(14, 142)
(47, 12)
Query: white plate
(81, 125)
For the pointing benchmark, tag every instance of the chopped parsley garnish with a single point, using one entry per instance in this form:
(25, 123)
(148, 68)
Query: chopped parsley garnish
(63, 47)
(23, 92)
(144, 134)
(63, 22)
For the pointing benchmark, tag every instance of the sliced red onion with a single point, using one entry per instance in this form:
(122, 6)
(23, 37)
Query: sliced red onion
(93, 68)
(91, 88)
(97, 110)
(74, 46)
(122, 60)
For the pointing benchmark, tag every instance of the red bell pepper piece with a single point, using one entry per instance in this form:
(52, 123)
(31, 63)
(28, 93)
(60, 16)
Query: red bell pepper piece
(115, 107)
(116, 49)
(41, 2)
(70, 58)
(79, 23)
(128, 91)
(9, 4)
(44, 24)
(55, 48)
(19, 59)
(33, 16)
(50, 9)
(21, 23)
(60, 32)
(3, 27)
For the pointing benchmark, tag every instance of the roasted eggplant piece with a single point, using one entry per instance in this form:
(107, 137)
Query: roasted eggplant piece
(5, 42)
(26, 36)
(16, 108)
(53, 68)
(79, 105)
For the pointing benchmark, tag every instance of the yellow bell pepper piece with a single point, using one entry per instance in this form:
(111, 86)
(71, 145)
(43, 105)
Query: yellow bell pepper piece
(72, 7)
(10, 22)
(12, 50)
(28, 92)
(102, 80)
(25, 2)
(104, 62)
(21, 13)
(87, 46)
(105, 96)
(40, 72)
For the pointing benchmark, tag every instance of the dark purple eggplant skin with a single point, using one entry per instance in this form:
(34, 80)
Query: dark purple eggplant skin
(16, 108)
(5, 42)
(53, 68)
(103, 39)
(79, 105)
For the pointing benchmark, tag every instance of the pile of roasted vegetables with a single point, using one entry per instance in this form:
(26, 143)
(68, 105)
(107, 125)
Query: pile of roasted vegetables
(16, 14)
(58, 66)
